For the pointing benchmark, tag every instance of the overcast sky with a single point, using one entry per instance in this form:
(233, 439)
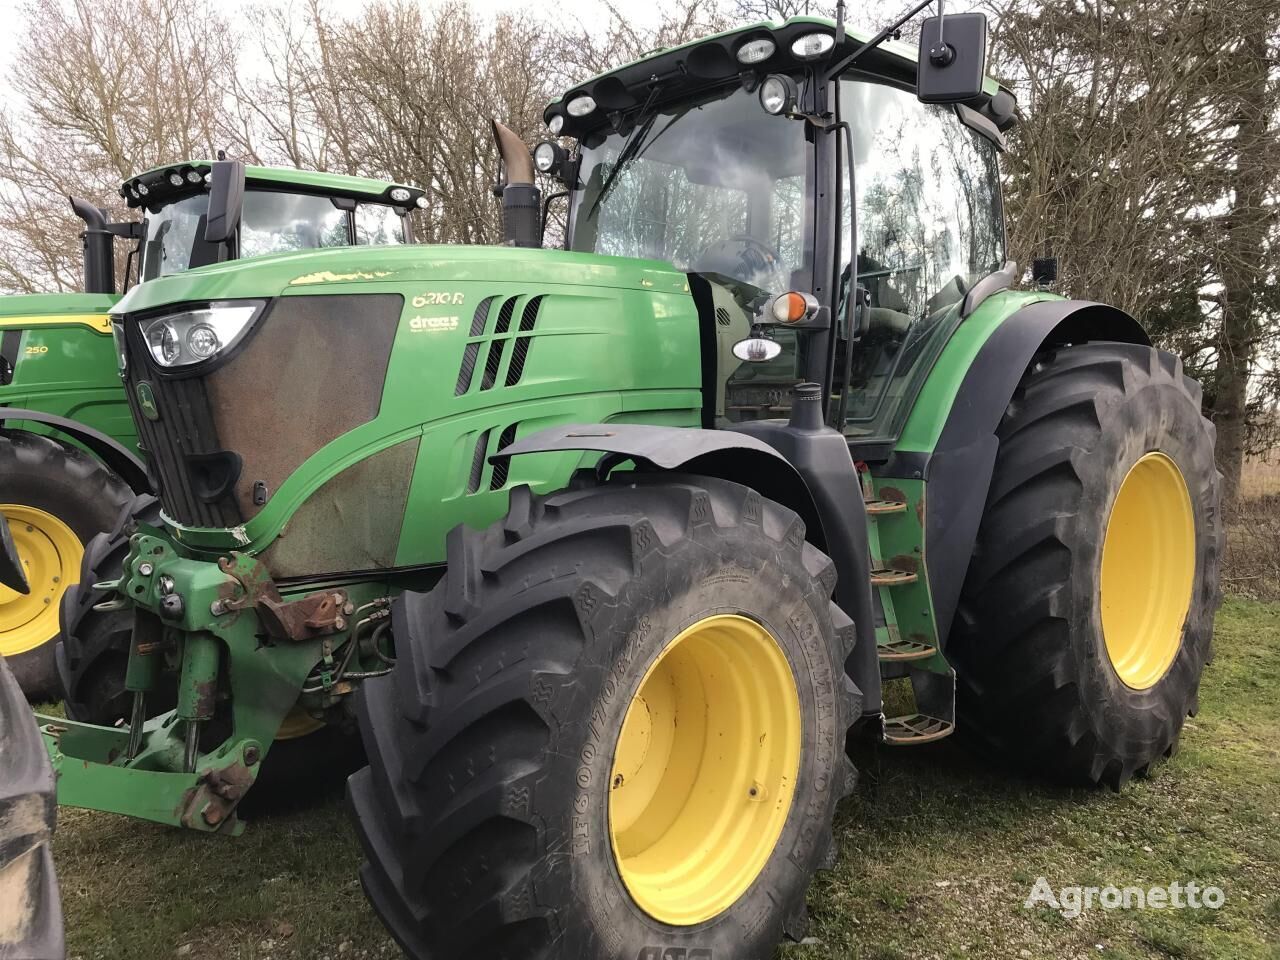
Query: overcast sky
(13, 22)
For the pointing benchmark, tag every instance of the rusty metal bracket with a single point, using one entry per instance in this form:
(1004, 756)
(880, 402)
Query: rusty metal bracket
(312, 616)
(213, 800)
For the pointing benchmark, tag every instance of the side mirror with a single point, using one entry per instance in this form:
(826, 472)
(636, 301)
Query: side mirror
(226, 200)
(12, 575)
(953, 55)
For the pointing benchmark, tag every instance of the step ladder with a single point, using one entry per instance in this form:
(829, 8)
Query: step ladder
(915, 656)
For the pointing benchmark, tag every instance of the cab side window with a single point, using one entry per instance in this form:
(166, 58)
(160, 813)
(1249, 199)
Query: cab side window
(929, 227)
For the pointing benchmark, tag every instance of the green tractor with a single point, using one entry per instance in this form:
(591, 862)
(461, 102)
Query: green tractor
(68, 445)
(608, 550)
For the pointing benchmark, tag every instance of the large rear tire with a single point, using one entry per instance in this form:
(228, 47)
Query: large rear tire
(616, 729)
(1086, 617)
(56, 498)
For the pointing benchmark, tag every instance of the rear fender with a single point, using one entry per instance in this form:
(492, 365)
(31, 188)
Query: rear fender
(958, 471)
(116, 457)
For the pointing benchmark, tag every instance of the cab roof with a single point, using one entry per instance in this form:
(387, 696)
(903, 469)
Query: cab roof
(159, 186)
(711, 61)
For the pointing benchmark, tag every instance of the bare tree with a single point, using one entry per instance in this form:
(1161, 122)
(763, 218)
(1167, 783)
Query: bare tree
(107, 92)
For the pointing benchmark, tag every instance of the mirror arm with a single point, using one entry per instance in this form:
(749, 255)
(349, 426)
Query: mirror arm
(879, 38)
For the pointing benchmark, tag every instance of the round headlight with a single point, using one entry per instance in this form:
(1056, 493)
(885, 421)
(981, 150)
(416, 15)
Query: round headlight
(580, 106)
(754, 51)
(202, 340)
(175, 178)
(400, 194)
(556, 124)
(193, 176)
(546, 156)
(812, 45)
(421, 202)
(777, 94)
(162, 338)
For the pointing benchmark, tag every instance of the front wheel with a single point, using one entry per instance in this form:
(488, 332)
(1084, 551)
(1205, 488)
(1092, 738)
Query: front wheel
(616, 726)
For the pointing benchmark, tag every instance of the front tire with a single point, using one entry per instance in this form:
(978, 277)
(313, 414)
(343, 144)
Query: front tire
(1086, 617)
(616, 683)
(56, 498)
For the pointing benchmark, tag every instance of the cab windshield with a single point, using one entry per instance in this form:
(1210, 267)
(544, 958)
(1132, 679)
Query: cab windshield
(716, 188)
(272, 222)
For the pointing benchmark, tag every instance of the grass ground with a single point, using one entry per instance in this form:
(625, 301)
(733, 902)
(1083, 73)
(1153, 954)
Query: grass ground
(939, 849)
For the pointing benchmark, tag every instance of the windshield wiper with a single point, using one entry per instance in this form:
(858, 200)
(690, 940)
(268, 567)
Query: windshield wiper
(644, 123)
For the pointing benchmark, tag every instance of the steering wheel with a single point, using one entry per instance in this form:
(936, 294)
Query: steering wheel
(743, 257)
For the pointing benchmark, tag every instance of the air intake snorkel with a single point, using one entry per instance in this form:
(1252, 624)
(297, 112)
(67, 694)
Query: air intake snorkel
(99, 255)
(521, 200)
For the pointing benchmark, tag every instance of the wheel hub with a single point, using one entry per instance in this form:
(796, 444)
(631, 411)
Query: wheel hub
(50, 553)
(1148, 571)
(704, 770)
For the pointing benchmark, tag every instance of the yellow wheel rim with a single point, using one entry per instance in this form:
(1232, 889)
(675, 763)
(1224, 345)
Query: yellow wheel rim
(1148, 569)
(704, 770)
(50, 553)
(297, 723)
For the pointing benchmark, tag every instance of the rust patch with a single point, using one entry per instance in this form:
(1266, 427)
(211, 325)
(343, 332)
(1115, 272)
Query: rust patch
(206, 696)
(214, 798)
(893, 493)
(920, 509)
(905, 562)
(312, 616)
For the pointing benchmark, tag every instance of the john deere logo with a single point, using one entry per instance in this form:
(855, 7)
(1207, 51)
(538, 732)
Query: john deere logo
(147, 401)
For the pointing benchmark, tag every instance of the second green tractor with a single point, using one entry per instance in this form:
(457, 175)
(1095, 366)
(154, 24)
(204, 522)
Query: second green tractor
(607, 550)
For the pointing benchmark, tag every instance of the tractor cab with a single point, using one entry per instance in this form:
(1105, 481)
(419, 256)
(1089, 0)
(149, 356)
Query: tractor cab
(798, 159)
(264, 210)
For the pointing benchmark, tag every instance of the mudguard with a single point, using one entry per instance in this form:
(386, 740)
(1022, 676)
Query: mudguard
(958, 472)
(117, 458)
(805, 468)
(30, 913)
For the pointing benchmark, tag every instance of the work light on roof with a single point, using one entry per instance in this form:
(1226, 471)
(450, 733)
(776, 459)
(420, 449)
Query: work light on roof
(143, 190)
(421, 202)
(555, 125)
(400, 194)
(581, 106)
(194, 176)
(778, 94)
(175, 178)
(756, 51)
(812, 45)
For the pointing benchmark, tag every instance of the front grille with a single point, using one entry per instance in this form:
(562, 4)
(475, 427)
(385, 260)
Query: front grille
(184, 428)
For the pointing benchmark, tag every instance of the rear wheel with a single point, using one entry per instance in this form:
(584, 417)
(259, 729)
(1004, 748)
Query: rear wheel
(56, 498)
(1087, 615)
(616, 726)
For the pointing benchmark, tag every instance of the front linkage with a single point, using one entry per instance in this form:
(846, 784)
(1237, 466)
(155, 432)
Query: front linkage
(190, 767)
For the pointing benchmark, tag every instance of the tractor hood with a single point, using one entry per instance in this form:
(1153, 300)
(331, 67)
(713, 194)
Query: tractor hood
(431, 267)
(56, 309)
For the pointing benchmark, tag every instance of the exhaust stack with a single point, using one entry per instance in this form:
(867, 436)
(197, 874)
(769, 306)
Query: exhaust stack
(99, 255)
(521, 200)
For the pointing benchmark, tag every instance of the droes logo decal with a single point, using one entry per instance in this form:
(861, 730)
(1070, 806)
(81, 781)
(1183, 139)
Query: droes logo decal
(432, 324)
(437, 300)
(147, 401)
